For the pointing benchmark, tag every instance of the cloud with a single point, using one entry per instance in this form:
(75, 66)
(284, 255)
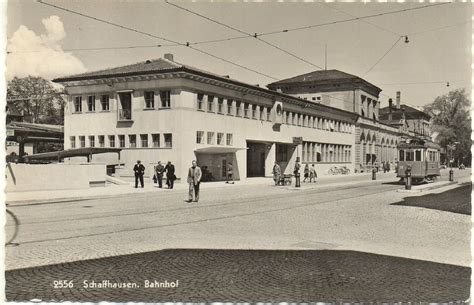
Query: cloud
(41, 55)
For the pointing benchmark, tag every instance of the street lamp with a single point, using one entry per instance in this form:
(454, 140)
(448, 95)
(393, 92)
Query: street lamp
(450, 147)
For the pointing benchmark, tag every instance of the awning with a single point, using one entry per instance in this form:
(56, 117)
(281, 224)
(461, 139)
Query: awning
(77, 152)
(218, 150)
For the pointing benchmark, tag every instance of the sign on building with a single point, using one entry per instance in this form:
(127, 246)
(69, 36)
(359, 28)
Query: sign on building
(297, 140)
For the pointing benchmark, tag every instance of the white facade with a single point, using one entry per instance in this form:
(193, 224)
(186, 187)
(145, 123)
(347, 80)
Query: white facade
(180, 117)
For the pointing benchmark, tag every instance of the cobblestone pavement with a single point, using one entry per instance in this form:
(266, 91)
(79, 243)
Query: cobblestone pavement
(246, 276)
(457, 200)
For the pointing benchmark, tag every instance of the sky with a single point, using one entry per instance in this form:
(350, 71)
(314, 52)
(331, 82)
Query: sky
(40, 39)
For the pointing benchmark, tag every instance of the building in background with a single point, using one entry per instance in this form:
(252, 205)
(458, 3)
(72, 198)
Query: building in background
(411, 119)
(375, 141)
(161, 110)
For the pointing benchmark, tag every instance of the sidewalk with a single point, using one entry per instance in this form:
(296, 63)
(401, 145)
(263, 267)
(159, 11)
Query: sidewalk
(112, 190)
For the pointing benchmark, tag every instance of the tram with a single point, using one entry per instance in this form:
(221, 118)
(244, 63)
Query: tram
(423, 158)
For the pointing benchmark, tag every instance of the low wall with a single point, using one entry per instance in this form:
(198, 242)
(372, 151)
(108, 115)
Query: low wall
(42, 177)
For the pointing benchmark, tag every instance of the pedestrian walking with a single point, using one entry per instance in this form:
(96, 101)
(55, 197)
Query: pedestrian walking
(230, 174)
(376, 164)
(276, 173)
(170, 177)
(384, 167)
(306, 172)
(194, 179)
(312, 173)
(139, 171)
(159, 172)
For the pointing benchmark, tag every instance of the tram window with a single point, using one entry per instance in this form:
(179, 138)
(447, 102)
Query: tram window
(409, 155)
(417, 155)
(402, 155)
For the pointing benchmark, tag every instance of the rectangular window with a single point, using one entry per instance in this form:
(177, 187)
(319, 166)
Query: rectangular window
(112, 141)
(104, 102)
(418, 155)
(168, 139)
(409, 156)
(91, 103)
(155, 138)
(121, 138)
(101, 141)
(220, 138)
(254, 112)
(144, 140)
(210, 103)
(200, 137)
(91, 141)
(72, 140)
(261, 112)
(149, 99)
(165, 97)
(200, 101)
(401, 155)
(229, 107)
(237, 109)
(229, 139)
(268, 114)
(82, 140)
(132, 140)
(78, 104)
(246, 110)
(210, 137)
(220, 105)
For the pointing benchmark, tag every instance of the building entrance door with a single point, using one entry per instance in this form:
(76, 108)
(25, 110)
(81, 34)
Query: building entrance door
(256, 154)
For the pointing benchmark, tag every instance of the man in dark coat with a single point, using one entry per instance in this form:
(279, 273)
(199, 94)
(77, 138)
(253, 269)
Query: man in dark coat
(159, 171)
(170, 177)
(139, 171)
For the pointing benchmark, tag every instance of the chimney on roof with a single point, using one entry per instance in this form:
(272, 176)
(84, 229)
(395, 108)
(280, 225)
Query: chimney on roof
(398, 99)
(169, 56)
(390, 105)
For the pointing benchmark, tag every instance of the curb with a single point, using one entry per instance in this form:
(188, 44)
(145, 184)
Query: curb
(432, 187)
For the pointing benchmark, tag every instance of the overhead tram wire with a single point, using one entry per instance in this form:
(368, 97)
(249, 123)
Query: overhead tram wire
(156, 36)
(351, 19)
(237, 37)
(255, 35)
(383, 56)
(362, 20)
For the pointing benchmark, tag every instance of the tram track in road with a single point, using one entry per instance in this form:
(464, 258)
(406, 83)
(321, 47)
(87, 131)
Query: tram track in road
(240, 201)
(300, 201)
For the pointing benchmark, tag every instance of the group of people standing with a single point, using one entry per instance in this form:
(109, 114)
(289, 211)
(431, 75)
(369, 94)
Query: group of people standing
(309, 172)
(160, 172)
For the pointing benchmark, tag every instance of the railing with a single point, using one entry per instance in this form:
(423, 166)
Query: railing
(125, 115)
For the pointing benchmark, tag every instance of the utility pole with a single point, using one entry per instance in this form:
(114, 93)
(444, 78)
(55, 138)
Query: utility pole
(326, 56)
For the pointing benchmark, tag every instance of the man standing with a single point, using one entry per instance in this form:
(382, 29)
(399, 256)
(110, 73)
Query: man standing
(276, 173)
(159, 171)
(312, 174)
(230, 174)
(194, 179)
(139, 170)
(170, 177)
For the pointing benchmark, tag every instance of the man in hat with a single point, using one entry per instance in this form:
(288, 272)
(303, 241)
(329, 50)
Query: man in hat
(139, 171)
(159, 171)
(194, 179)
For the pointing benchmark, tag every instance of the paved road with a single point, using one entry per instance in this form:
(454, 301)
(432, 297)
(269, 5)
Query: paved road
(243, 276)
(354, 216)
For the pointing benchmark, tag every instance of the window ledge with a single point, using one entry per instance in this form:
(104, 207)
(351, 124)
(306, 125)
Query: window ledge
(164, 108)
(148, 109)
(90, 111)
(76, 112)
(104, 111)
(201, 110)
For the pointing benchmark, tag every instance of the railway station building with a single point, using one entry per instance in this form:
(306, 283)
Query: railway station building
(161, 110)
(374, 139)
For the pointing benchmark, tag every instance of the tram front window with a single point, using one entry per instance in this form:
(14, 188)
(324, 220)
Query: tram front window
(418, 155)
(410, 156)
(402, 155)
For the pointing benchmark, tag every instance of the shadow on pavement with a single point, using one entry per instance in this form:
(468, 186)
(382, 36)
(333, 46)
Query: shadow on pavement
(243, 276)
(457, 200)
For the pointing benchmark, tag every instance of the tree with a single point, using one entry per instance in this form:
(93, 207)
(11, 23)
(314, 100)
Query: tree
(36, 97)
(451, 120)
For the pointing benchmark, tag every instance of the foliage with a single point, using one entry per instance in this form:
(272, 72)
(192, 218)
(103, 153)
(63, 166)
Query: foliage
(36, 97)
(451, 120)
